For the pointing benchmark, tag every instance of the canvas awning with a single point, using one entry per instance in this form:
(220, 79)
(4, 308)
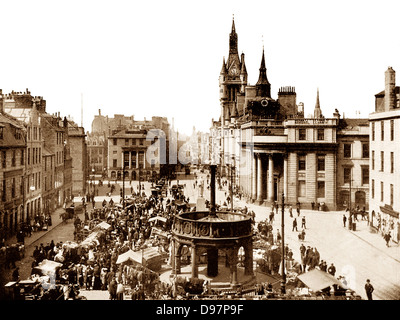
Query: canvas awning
(388, 210)
(151, 253)
(163, 219)
(130, 255)
(137, 256)
(317, 280)
(103, 225)
(158, 232)
(48, 267)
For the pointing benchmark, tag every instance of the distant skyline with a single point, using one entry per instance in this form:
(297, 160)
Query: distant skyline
(163, 58)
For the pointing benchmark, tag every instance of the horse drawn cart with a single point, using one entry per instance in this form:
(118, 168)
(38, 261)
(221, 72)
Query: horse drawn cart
(69, 213)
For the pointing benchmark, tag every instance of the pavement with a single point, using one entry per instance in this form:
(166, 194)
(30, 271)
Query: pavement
(357, 255)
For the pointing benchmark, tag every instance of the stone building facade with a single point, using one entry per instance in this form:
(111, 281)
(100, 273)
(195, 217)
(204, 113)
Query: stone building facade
(27, 109)
(384, 155)
(12, 174)
(140, 149)
(78, 152)
(272, 148)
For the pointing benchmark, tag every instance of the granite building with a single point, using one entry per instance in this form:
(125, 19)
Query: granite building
(273, 149)
(384, 155)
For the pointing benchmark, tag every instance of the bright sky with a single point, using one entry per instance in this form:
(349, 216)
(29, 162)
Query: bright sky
(163, 58)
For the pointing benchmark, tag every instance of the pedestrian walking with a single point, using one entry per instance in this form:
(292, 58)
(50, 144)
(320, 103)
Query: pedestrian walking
(120, 291)
(278, 236)
(303, 222)
(291, 211)
(294, 224)
(387, 237)
(344, 220)
(15, 274)
(271, 216)
(112, 289)
(369, 289)
(302, 250)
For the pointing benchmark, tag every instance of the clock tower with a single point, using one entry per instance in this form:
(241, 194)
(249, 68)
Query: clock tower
(232, 84)
(232, 80)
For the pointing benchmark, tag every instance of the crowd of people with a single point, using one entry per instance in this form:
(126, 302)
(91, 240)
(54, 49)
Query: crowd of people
(92, 265)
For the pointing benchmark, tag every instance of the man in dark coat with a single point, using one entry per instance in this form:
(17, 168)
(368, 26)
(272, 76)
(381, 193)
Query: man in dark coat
(387, 237)
(15, 274)
(369, 289)
(112, 289)
(294, 224)
(21, 237)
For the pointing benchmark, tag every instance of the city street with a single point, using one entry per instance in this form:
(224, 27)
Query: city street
(357, 255)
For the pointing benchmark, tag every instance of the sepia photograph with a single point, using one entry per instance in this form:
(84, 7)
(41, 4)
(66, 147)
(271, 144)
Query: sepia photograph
(204, 157)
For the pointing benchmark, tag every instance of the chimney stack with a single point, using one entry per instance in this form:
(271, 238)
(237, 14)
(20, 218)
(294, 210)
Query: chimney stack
(390, 84)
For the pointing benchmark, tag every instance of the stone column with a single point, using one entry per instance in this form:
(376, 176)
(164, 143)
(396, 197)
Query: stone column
(330, 181)
(130, 159)
(291, 196)
(178, 248)
(233, 266)
(285, 175)
(212, 262)
(137, 159)
(311, 177)
(254, 177)
(259, 178)
(270, 179)
(248, 258)
(195, 269)
(173, 262)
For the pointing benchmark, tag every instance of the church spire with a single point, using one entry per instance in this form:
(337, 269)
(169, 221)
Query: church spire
(243, 69)
(317, 109)
(223, 69)
(263, 85)
(233, 39)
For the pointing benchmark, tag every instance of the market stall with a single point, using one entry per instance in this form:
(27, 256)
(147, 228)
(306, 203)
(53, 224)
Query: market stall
(130, 256)
(320, 282)
(103, 226)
